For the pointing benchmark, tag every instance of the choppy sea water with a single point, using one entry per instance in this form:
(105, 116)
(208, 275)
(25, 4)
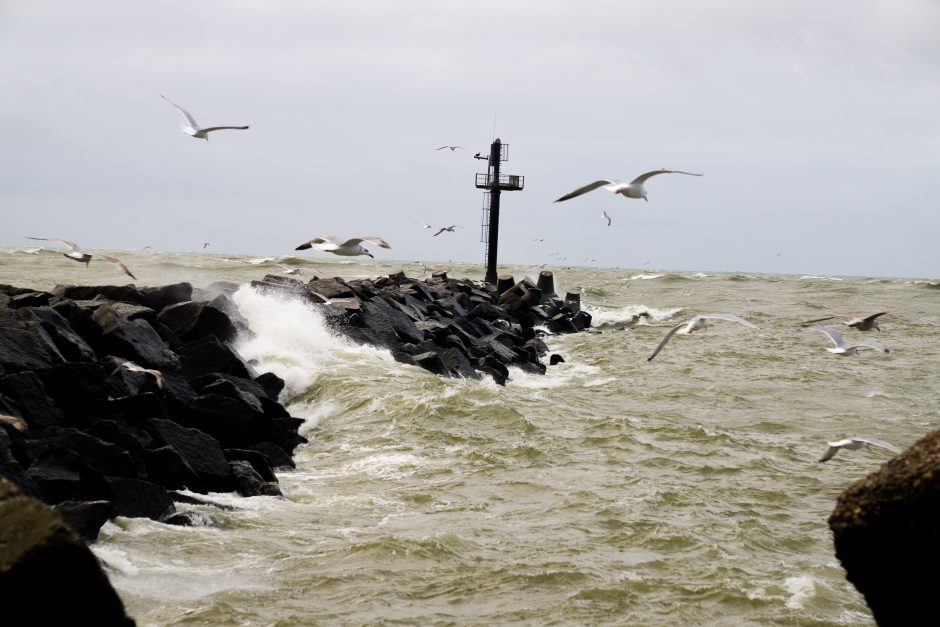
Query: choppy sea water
(612, 490)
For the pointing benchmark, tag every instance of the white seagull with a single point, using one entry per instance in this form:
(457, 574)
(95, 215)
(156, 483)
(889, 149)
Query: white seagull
(130, 366)
(346, 248)
(606, 217)
(633, 189)
(81, 256)
(841, 347)
(452, 148)
(853, 444)
(862, 324)
(290, 269)
(695, 324)
(449, 229)
(191, 127)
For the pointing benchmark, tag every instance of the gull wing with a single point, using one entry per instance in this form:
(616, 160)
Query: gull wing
(810, 322)
(643, 177)
(378, 241)
(831, 333)
(120, 265)
(326, 240)
(875, 345)
(590, 187)
(222, 128)
(729, 317)
(71, 245)
(185, 113)
(832, 450)
(878, 443)
(439, 232)
(666, 339)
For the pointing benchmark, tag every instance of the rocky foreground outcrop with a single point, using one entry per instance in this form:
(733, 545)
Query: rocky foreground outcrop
(115, 398)
(48, 576)
(886, 530)
(451, 327)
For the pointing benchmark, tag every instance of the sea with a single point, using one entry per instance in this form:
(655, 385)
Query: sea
(610, 491)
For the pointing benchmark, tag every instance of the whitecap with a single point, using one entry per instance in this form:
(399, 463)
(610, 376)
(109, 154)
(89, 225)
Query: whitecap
(801, 588)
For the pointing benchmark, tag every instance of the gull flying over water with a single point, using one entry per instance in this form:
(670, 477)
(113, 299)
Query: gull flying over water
(633, 189)
(345, 248)
(191, 127)
(449, 229)
(841, 346)
(855, 443)
(862, 324)
(290, 269)
(695, 324)
(81, 256)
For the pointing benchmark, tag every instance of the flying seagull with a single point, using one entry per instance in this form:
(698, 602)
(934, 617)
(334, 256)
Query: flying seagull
(192, 127)
(75, 252)
(339, 246)
(862, 324)
(853, 444)
(633, 189)
(290, 269)
(695, 324)
(136, 369)
(452, 148)
(81, 256)
(606, 217)
(841, 348)
(449, 229)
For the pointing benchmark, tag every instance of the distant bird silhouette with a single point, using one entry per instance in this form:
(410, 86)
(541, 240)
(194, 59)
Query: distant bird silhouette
(606, 217)
(193, 129)
(633, 189)
(862, 324)
(695, 324)
(452, 148)
(449, 229)
(853, 444)
(841, 346)
(345, 248)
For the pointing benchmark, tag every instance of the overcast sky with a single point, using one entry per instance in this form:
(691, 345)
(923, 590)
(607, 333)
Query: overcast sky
(816, 125)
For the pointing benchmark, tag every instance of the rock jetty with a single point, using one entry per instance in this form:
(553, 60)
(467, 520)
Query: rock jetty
(451, 327)
(885, 530)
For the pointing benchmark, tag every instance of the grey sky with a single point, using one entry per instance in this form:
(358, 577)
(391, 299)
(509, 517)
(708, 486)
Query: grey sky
(816, 124)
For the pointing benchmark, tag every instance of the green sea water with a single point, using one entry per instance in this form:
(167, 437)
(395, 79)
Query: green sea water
(610, 491)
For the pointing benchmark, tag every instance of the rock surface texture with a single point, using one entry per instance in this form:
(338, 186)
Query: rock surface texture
(886, 530)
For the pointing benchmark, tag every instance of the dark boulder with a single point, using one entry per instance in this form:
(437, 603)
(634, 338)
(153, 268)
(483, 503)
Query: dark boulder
(886, 530)
(249, 483)
(198, 449)
(133, 339)
(86, 517)
(192, 321)
(70, 344)
(208, 355)
(48, 576)
(37, 408)
(26, 346)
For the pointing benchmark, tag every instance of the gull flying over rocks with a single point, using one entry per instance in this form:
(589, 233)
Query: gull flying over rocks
(853, 444)
(191, 127)
(843, 348)
(695, 324)
(81, 256)
(345, 248)
(449, 229)
(290, 269)
(130, 366)
(862, 324)
(633, 189)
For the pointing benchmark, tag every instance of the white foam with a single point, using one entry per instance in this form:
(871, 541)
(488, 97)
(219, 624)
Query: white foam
(627, 314)
(291, 339)
(801, 588)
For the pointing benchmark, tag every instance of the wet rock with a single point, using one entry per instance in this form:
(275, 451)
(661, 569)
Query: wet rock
(885, 534)
(36, 406)
(48, 576)
(86, 517)
(198, 449)
(249, 483)
(26, 346)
